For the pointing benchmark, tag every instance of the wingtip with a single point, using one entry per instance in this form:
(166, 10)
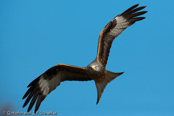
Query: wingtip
(35, 111)
(137, 4)
(29, 108)
(23, 106)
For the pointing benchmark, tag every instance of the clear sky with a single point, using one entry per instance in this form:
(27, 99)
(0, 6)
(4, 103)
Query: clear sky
(38, 34)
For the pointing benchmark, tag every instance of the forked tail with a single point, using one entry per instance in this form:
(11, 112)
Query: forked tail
(101, 84)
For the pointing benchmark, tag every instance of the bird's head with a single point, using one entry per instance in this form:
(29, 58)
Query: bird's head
(94, 67)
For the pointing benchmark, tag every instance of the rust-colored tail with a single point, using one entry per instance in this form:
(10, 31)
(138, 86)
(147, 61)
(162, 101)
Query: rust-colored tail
(100, 85)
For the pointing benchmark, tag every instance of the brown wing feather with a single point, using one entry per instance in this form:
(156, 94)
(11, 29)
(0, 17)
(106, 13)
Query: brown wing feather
(115, 28)
(48, 81)
(105, 42)
(74, 73)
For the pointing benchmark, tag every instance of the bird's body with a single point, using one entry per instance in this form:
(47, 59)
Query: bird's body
(49, 80)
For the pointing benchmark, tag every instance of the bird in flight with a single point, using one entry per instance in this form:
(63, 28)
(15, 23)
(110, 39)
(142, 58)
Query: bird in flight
(49, 80)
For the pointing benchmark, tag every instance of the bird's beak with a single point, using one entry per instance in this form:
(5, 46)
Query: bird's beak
(93, 67)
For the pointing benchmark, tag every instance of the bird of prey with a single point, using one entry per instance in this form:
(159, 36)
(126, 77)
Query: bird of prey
(49, 80)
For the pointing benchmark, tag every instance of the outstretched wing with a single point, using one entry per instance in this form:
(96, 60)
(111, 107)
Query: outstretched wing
(48, 81)
(114, 28)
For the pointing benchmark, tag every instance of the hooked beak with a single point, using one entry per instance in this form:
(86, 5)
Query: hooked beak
(93, 67)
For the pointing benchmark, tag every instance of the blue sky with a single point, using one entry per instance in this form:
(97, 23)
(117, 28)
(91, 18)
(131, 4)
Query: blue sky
(38, 34)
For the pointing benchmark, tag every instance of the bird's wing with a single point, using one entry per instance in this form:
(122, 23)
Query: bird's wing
(48, 81)
(114, 28)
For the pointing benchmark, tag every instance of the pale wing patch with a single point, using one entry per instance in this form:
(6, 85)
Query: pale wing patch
(122, 24)
(46, 85)
(41, 87)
